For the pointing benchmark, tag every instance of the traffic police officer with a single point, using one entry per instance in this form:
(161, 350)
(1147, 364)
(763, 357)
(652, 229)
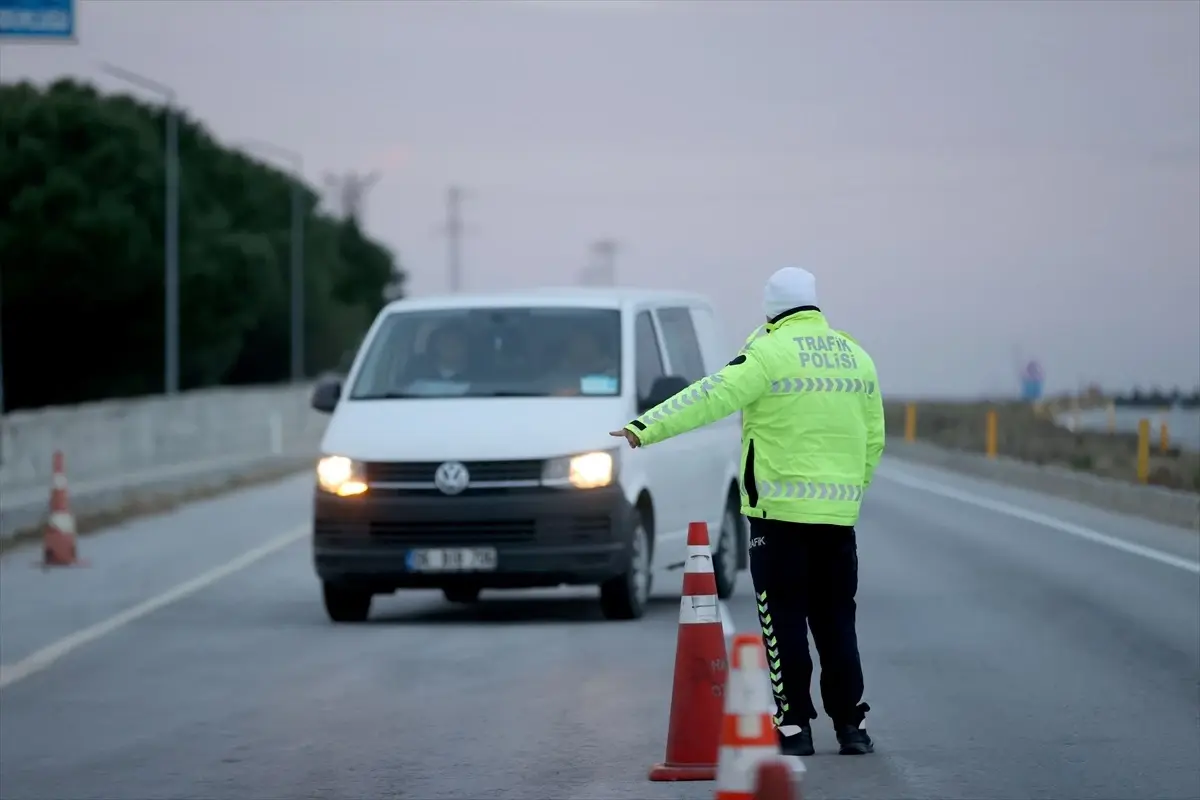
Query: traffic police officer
(812, 435)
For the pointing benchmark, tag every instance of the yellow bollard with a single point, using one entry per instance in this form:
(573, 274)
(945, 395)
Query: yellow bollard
(1112, 417)
(1164, 437)
(991, 433)
(910, 422)
(1143, 451)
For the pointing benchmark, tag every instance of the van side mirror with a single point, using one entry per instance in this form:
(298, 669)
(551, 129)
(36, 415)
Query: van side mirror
(663, 389)
(326, 395)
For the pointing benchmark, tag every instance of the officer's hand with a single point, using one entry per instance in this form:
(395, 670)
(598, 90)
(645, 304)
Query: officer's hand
(629, 435)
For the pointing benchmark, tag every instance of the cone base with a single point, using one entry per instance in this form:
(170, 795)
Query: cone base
(775, 781)
(683, 772)
(79, 562)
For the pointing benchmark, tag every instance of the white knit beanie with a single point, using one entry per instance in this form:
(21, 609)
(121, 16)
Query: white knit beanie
(790, 287)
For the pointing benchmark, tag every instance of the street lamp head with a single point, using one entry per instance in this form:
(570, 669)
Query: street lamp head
(141, 81)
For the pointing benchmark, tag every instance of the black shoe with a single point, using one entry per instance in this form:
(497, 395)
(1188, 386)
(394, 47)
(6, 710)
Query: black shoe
(798, 744)
(852, 734)
(854, 740)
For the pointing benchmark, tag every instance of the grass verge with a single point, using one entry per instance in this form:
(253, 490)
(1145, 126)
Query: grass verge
(1023, 435)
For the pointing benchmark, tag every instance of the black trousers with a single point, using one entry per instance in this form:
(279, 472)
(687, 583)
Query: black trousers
(806, 576)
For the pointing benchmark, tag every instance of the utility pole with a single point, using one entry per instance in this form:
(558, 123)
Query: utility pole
(350, 191)
(603, 269)
(454, 232)
(606, 258)
(171, 228)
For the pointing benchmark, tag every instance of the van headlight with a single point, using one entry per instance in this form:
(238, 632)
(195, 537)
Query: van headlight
(583, 471)
(341, 476)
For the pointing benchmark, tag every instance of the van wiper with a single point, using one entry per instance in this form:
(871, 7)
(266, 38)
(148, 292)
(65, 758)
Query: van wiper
(390, 396)
(511, 393)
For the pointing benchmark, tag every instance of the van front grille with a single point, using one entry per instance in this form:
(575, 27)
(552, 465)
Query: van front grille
(479, 471)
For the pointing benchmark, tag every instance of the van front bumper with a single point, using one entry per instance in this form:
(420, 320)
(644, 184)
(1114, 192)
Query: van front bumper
(542, 537)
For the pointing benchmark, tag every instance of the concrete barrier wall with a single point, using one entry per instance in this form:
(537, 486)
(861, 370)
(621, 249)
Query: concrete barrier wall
(123, 451)
(1168, 506)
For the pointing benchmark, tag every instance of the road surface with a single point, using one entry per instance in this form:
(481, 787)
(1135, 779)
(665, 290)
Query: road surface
(1015, 646)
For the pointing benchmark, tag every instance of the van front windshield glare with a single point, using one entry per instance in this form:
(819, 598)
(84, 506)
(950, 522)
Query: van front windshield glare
(493, 352)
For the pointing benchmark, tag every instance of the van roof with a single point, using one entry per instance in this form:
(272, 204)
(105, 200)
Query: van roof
(581, 297)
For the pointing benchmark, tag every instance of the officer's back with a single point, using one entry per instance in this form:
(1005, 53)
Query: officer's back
(810, 437)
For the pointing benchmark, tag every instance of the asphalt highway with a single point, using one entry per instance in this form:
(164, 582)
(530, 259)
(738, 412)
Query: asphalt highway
(1015, 647)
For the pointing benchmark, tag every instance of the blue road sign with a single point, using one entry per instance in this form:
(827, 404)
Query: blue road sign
(1032, 380)
(28, 20)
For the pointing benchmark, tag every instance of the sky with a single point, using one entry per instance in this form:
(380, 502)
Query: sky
(974, 184)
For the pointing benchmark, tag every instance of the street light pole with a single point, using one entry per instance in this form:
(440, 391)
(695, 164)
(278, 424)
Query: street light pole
(297, 283)
(172, 235)
(171, 224)
(297, 252)
(1, 375)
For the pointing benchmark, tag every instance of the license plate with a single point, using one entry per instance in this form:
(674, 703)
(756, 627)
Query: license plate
(454, 559)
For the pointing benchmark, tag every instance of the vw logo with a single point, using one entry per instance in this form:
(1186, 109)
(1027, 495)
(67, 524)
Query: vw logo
(451, 477)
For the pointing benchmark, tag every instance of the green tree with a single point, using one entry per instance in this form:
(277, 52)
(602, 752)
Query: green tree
(81, 255)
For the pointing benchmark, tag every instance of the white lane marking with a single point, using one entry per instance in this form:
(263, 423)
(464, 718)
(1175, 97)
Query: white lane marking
(43, 658)
(1050, 522)
(727, 625)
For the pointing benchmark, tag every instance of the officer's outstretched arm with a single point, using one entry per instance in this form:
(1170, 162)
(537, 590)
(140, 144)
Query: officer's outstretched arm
(876, 431)
(739, 383)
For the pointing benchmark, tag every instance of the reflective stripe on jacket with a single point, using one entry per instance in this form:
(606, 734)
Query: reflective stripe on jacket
(812, 420)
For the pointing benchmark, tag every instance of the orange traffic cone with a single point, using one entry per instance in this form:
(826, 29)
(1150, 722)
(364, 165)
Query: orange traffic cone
(775, 782)
(748, 738)
(58, 535)
(701, 667)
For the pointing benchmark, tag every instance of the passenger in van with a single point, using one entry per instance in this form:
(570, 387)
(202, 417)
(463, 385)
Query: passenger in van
(584, 356)
(587, 356)
(446, 356)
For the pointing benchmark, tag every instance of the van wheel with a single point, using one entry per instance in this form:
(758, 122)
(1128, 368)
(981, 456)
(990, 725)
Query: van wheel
(462, 594)
(729, 543)
(625, 596)
(344, 604)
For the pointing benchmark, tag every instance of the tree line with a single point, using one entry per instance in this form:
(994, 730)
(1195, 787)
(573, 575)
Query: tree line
(82, 279)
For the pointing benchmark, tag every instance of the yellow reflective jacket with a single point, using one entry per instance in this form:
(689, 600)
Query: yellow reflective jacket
(812, 420)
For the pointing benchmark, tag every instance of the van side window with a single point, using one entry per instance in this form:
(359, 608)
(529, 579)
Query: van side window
(649, 361)
(683, 348)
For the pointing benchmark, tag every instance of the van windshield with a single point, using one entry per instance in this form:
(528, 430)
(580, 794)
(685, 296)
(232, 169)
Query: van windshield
(493, 352)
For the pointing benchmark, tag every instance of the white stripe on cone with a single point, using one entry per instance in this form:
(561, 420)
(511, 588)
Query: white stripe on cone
(699, 558)
(749, 692)
(699, 610)
(62, 521)
(739, 767)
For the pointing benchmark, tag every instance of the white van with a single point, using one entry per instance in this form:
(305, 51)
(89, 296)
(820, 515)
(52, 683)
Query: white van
(469, 449)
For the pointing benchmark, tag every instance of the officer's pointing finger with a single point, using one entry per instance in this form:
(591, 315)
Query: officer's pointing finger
(627, 436)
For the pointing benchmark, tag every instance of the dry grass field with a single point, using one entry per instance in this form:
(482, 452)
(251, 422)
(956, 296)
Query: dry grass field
(1021, 434)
